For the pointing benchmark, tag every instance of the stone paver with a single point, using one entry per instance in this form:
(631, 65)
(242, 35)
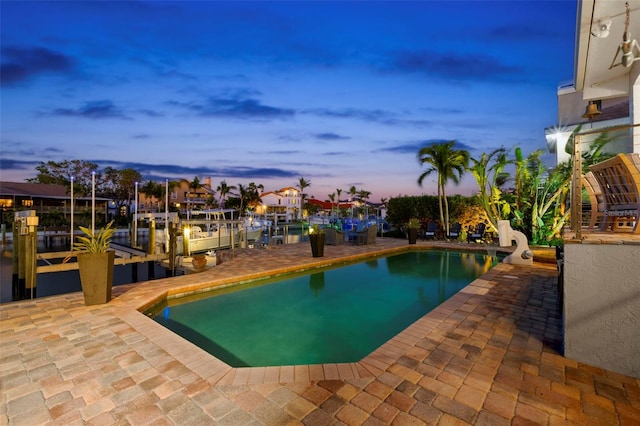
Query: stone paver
(489, 355)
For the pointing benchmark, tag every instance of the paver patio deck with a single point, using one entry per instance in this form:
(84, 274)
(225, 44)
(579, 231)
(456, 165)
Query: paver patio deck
(489, 355)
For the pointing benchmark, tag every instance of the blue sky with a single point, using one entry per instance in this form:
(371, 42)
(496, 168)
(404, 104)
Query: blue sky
(340, 93)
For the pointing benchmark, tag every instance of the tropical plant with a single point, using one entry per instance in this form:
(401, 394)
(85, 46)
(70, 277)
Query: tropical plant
(92, 242)
(302, 184)
(224, 190)
(488, 170)
(537, 205)
(194, 185)
(413, 223)
(315, 229)
(448, 164)
(332, 197)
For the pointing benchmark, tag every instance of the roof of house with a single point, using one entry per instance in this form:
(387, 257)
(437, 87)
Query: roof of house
(39, 190)
(327, 205)
(270, 193)
(288, 188)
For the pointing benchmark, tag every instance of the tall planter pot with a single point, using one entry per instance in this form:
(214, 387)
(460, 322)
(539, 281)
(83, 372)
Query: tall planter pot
(412, 235)
(317, 244)
(96, 276)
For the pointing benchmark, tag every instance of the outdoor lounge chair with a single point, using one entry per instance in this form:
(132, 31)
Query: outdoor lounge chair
(333, 237)
(619, 179)
(476, 233)
(432, 228)
(454, 231)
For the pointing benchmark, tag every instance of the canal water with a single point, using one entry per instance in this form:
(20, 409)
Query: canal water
(52, 283)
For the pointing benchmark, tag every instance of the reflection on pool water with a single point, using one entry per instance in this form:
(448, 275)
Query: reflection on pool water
(338, 314)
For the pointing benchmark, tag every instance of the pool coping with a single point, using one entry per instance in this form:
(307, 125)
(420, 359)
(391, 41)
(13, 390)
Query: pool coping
(218, 373)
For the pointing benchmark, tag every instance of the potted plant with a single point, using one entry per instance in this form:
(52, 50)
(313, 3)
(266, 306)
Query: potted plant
(95, 262)
(316, 239)
(412, 230)
(199, 262)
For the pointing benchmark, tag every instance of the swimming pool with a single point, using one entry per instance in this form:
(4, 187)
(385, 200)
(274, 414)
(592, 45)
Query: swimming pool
(334, 315)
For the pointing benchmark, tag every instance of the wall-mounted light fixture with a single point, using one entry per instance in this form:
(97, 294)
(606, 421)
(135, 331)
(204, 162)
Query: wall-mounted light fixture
(629, 46)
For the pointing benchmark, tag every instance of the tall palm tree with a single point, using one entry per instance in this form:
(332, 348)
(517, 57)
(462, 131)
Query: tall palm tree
(332, 197)
(194, 185)
(302, 184)
(364, 196)
(449, 164)
(224, 190)
(353, 191)
(243, 193)
(253, 194)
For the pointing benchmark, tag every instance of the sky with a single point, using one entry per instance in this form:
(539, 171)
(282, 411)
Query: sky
(340, 93)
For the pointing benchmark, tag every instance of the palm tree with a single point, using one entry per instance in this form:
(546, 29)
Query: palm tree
(243, 193)
(253, 194)
(449, 164)
(364, 196)
(352, 193)
(193, 185)
(224, 189)
(332, 197)
(302, 184)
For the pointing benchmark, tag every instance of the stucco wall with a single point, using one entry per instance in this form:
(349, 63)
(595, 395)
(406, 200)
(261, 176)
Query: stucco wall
(602, 306)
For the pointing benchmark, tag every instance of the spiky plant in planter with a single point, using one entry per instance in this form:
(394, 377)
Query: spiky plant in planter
(95, 262)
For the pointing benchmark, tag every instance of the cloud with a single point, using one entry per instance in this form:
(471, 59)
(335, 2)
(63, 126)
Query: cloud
(372, 115)
(151, 113)
(93, 109)
(331, 137)
(8, 164)
(284, 152)
(363, 114)
(170, 171)
(22, 63)
(414, 147)
(451, 66)
(238, 106)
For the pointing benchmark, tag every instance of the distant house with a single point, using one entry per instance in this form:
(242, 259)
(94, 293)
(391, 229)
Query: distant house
(187, 198)
(45, 198)
(182, 197)
(283, 204)
(328, 206)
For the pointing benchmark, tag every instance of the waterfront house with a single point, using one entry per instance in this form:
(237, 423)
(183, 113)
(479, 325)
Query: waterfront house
(282, 205)
(46, 199)
(600, 291)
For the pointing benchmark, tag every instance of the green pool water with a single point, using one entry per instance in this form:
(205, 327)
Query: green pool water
(334, 315)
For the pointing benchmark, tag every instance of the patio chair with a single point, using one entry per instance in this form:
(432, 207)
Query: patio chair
(596, 199)
(367, 236)
(476, 233)
(619, 179)
(333, 237)
(454, 231)
(432, 228)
